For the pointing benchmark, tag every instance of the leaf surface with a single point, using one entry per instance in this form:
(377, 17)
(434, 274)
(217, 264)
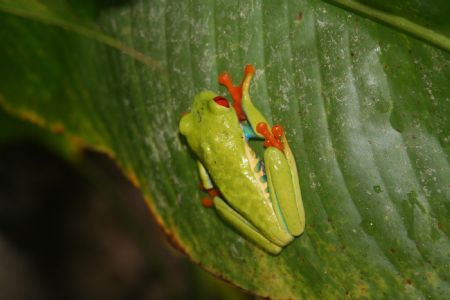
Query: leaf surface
(365, 105)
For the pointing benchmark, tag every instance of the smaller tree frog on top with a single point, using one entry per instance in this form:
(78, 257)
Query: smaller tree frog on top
(261, 199)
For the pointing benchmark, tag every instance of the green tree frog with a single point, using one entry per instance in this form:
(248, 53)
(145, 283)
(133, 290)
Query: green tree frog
(261, 199)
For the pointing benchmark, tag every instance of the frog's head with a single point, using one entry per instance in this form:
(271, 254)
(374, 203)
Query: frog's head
(210, 112)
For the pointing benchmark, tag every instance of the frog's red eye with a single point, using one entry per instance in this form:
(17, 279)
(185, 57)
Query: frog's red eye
(221, 101)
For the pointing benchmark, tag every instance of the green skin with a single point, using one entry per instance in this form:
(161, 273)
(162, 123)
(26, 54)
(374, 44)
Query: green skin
(270, 220)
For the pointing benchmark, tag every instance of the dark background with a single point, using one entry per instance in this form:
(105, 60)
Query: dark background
(80, 230)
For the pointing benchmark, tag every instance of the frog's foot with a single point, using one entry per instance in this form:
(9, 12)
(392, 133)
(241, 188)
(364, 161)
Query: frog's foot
(213, 192)
(236, 91)
(208, 201)
(273, 138)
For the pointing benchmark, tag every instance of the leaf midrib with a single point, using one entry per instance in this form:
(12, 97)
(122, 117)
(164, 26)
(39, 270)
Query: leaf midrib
(400, 23)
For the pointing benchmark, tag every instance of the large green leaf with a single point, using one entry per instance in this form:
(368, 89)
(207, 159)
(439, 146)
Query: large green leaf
(364, 98)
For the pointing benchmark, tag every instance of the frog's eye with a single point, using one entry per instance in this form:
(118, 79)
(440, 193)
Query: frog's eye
(221, 101)
(219, 105)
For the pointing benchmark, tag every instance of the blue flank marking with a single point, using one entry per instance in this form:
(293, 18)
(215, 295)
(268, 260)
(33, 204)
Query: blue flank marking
(264, 178)
(259, 165)
(248, 131)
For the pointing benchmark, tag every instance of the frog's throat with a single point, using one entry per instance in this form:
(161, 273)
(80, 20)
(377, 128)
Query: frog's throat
(257, 166)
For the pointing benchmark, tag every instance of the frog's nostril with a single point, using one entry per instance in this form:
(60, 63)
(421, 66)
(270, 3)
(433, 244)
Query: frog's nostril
(221, 101)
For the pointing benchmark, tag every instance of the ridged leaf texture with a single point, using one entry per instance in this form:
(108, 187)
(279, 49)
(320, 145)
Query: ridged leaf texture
(362, 90)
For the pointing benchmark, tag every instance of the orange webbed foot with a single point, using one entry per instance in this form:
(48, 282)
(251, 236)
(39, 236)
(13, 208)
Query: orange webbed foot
(208, 201)
(272, 137)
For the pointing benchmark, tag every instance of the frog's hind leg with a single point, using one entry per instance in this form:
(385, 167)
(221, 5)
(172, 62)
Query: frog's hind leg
(244, 227)
(204, 176)
(207, 185)
(284, 189)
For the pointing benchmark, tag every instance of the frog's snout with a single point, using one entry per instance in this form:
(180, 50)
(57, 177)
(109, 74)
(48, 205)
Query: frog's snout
(185, 124)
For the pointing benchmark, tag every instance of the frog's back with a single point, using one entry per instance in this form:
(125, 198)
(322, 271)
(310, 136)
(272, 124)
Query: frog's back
(232, 167)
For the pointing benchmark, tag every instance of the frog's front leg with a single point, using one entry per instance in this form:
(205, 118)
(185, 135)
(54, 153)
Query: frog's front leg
(204, 176)
(207, 185)
(284, 186)
(244, 227)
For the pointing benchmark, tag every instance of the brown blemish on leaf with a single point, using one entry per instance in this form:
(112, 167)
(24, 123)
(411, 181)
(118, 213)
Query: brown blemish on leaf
(77, 142)
(23, 114)
(332, 248)
(173, 240)
(431, 278)
(359, 291)
(408, 281)
(32, 117)
(57, 127)
(133, 178)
